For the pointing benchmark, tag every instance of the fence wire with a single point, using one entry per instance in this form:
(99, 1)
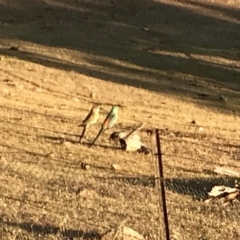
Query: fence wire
(46, 193)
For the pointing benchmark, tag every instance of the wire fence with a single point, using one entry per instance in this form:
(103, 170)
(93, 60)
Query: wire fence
(47, 192)
(191, 217)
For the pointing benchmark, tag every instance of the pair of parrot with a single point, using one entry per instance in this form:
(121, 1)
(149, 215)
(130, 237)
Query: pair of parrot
(93, 117)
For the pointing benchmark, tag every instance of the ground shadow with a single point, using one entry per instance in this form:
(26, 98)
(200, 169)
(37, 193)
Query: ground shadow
(61, 140)
(50, 229)
(197, 188)
(145, 181)
(183, 49)
(58, 140)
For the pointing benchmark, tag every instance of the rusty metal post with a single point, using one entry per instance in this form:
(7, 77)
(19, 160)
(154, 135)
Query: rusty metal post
(163, 196)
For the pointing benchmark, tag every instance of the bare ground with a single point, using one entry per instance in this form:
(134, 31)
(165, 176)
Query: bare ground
(166, 63)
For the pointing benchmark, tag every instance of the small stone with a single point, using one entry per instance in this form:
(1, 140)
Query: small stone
(124, 233)
(92, 95)
(115, 166)
(193, 122)
(5, 91)
(87, 167)
(13, 48)
(38, 90)
(172, 134)
(223, 98)
(20, 86)
(3, 160)
(200, 129)
(75, 99)
(145, 29)
(51, 154)
(87, 193)
(84, 166)
(66, 143)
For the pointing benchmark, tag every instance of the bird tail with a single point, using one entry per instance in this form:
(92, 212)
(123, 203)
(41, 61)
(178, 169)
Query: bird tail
(99, 133)
(81, 124)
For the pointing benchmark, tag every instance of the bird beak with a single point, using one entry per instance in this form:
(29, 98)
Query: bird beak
(103, 111)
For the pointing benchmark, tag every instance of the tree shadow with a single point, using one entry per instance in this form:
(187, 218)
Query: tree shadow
(181, 49)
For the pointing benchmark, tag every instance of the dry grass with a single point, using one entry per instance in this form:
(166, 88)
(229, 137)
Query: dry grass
(154, 58)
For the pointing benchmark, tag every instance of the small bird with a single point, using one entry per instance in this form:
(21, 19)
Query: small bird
(91, 118)
(108, 123)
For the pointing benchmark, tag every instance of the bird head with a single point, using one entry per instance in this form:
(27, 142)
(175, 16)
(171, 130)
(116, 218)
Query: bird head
(115, 109)
(96, 108)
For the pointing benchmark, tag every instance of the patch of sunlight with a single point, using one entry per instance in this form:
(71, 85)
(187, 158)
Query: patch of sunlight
(207, 10)
(207, 58)
(217, 60)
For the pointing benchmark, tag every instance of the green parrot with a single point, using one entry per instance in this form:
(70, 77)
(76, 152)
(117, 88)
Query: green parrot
(109, 122)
